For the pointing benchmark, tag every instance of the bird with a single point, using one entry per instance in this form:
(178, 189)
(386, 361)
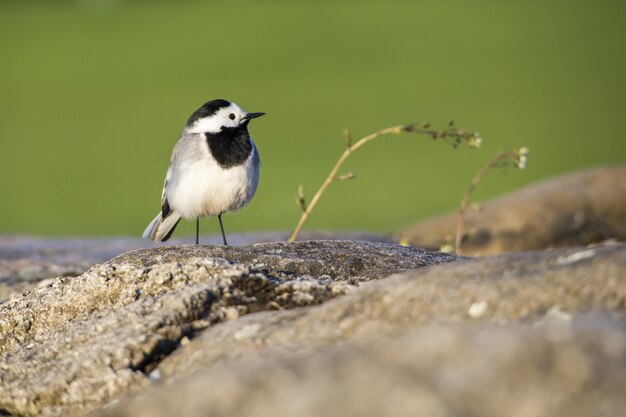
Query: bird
(213, 170)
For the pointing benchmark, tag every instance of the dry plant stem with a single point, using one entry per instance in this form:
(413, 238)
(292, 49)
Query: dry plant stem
(353, 147)
(460, 218)
(333, 174)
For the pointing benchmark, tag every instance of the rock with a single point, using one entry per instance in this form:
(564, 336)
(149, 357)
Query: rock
(27, 260)
(575, 209)
(90, 339)
(515, 288)
(169, 331)
(408, 345)
(438, 370)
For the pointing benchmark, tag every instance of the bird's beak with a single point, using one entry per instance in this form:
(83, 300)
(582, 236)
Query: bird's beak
(251, 116)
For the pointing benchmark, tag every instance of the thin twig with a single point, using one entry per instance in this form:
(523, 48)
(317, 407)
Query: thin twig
(451, 132)
(460, 218)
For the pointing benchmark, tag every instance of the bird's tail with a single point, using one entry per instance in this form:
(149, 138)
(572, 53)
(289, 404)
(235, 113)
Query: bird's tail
(160, 229)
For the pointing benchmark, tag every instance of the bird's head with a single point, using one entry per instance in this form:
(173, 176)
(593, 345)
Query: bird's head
(217, 115)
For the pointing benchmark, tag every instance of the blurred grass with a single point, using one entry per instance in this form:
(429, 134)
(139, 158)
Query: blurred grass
(93, 95)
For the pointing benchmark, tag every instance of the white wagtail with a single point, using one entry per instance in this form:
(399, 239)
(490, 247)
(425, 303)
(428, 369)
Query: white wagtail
(214, 169)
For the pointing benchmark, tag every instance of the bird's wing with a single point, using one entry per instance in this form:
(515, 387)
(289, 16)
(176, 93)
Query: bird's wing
(165, 205)
(169, 178)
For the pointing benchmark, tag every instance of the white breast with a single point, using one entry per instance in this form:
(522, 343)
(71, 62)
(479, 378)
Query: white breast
(205, 189)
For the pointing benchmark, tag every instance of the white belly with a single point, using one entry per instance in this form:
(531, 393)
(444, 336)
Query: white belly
(205, 189)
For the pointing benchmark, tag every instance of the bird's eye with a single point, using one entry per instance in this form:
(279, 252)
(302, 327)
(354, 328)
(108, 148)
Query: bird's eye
(232, 116)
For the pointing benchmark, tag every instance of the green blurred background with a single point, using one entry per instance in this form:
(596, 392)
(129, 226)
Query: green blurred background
(93, 95)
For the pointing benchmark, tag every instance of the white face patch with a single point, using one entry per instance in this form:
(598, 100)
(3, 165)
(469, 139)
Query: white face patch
(230, 116)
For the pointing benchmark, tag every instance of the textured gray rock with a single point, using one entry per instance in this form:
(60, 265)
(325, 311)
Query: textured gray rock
(168, 332)
(417, 344)
(580, 208)
(27, 260)
(526, 288)
(441, 370)
(87, 340)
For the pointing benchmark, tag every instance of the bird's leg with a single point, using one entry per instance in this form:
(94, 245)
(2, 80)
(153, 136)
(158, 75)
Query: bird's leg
(197, 231)
(219, 217)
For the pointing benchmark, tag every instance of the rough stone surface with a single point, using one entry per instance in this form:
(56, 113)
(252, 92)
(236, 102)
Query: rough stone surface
(415, 344)
(575, 209)
(525, 287)
(169, 331)
(27, 260)
(570, 369)
(351, 261)
(75, 343)
(550, 340)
